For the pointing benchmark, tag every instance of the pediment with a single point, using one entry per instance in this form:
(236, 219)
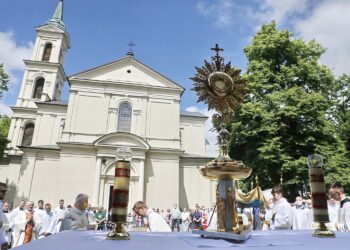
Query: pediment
(120, 139)
(49, 27)
(127, 70)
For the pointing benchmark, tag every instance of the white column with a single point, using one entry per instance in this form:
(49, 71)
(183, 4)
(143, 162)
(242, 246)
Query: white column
(97, 182)
(141, 180)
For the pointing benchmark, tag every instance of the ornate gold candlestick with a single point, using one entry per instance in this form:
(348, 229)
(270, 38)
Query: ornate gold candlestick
(319, 196)
(120, 196)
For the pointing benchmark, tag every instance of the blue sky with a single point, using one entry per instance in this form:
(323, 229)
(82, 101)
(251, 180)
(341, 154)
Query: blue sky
(170, 36)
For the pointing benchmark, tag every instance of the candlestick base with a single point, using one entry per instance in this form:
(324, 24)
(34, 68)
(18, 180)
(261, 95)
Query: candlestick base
(118, 233)
(323, 232)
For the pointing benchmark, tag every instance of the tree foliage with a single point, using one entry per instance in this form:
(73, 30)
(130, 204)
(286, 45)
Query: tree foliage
(4, 121)
(286, 113)
(4, 78)
(4, 129)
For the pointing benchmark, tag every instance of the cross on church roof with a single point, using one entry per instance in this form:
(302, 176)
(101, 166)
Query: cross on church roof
(130, 52)
(217, 58)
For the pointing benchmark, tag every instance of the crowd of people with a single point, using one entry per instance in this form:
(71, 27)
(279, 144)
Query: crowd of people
(25, 223)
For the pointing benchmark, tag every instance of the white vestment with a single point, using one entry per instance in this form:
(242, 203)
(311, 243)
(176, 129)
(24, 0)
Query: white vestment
(282, 215)
(2, 231)
(267, 219)
(185, 219)
(48, 224)
(39, 212)
(156, 222)
(91, 218)
(59, 214)
(20, 222)
(333, 212)
(300, 218)
(75, 219)
(7, 226)
(344, 218)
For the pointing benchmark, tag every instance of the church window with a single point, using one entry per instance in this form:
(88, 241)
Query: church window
(124, 117)
(28, 134)
(38, 90)
(47, 52)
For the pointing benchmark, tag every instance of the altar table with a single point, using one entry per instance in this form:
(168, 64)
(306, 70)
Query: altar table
(96, 240)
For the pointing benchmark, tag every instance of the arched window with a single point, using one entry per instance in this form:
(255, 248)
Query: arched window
(28, 134)
(124, 117)
(39, 86)
(47, 52)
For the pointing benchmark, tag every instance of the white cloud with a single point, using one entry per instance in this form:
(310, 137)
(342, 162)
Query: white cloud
(12, 55)
(326, 21)
(329, 25)
(5, 110)
(220, 10)
(281, 11)
(211, 149)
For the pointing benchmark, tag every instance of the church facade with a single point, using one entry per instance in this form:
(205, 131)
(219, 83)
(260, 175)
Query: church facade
(59, 149)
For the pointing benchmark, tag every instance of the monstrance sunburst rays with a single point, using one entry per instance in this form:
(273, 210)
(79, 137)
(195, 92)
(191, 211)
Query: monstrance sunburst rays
(206, 93)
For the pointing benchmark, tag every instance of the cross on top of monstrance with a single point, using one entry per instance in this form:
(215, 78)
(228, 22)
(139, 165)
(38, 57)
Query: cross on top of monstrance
(130, 52)
(217, 58)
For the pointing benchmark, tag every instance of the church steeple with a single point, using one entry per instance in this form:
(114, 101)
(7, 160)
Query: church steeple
(57, 18)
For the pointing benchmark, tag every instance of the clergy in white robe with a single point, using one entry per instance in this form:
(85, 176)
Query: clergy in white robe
(40, 208)
(3, 241)
(333, 212)
(156, 222)
(300, 215)
(337, 193)
(185, 220)
(48, 222)
(282, 211)
(59, 214)
(77, 217)
(27, 225)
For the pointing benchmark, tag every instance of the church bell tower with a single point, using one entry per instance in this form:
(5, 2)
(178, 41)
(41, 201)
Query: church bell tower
(43, 80)
(44, 75)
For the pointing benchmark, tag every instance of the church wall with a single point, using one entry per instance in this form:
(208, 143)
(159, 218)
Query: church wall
(4, 169)
(194, 188)
(163, 123)
(161, 181)
(43, 183)
(48, 127)
(89, 110)
(75, 174)
(191, 128)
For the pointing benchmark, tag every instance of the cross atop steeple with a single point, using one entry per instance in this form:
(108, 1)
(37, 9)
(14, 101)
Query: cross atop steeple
(57, 18)
(217, 58)
(130, 52)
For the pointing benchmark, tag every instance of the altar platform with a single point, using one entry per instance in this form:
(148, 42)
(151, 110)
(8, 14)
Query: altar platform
(96, 240)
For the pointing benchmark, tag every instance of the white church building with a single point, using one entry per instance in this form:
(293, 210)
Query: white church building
(59, 149)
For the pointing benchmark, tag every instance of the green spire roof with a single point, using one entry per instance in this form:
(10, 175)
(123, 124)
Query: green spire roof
(57, 18)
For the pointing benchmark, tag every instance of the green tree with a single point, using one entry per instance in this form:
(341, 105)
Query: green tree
(4, 78)
(4, 129)
(285, 114)
(4, 121)
(342, 109)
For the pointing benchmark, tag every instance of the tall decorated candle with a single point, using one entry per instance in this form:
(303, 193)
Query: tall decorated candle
(318, 195)
(120, 196)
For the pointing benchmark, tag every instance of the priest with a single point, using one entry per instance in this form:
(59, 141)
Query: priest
(3, 241)
(77, 217)
(156, 223)
(48, 222)
(281, 212)
(300, 215)
(27, 225)
(336, 192)
(59, 213)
